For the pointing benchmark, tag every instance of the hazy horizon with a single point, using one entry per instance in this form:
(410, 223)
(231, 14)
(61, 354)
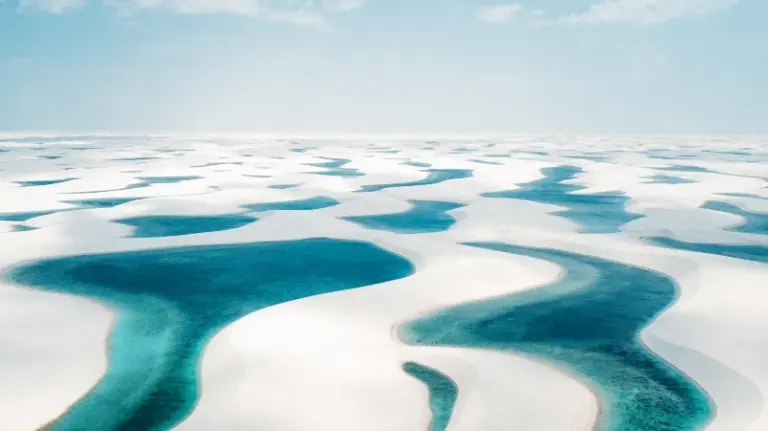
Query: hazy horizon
(633, 67)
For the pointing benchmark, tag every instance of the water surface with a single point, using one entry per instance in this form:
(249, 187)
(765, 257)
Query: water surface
(315, 203)
(443, 393)
(24, 216)
(668, 179)
(42, 182)
(587, 322)
(753, 252)
(146, 182)
(335, 167)
(686, 168)
(102, 202)
(175, 225)
(594, 213)
(170, 302)
(435, 176)
(754, 223)
(423, 217)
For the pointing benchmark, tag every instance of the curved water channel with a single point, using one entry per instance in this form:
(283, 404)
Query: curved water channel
(588, 323)
(170, 302)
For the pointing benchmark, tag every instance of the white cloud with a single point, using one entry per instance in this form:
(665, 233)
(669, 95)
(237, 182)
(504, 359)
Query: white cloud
(49, 6)
(299, 12)
(190, 7)
(645, 11)
(498, 14)
(301, 17)
(343, 5)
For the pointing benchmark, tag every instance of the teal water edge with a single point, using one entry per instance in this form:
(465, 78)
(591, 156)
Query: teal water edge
(744, 195)
(148, 181)
(752, 252)
(335, 167)
(668, 179)
(42, 182)
(170, 302)
(586, 322)
(145, 182)
(435, 176)
(686, 168)
(755, 223)
(134, 159)
(164, 226)
(102, 202)
(207, 165)
(24, 216)
(417, 164)
(423, 217)
(283, 186)
(22, 228)
(443, 393)
(594, 213)
(591, 158)
(315, 203)
(485, 162)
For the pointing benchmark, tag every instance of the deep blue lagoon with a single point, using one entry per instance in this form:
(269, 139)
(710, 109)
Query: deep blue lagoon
(587, 322)
(170, 302)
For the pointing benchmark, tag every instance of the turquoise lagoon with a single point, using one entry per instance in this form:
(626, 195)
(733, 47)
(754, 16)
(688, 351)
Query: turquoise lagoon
(102, 202)
(170, 302)
(146, 182)
(752, 252)
(335, 167)
(668, 179)
(423, 217)
(754, 223)
(42, 182)
(587, 322)
(309, 204)
(443, 393)
(594, 213)
(175, 225)
(435, 176)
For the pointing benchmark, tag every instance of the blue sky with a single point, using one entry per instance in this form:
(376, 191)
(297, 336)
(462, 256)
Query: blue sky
(385, 66)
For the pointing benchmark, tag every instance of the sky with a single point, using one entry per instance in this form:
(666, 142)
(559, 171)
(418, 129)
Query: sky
(385, 66)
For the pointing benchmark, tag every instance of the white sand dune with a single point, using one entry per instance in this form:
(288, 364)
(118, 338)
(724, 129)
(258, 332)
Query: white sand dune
(333, 362)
